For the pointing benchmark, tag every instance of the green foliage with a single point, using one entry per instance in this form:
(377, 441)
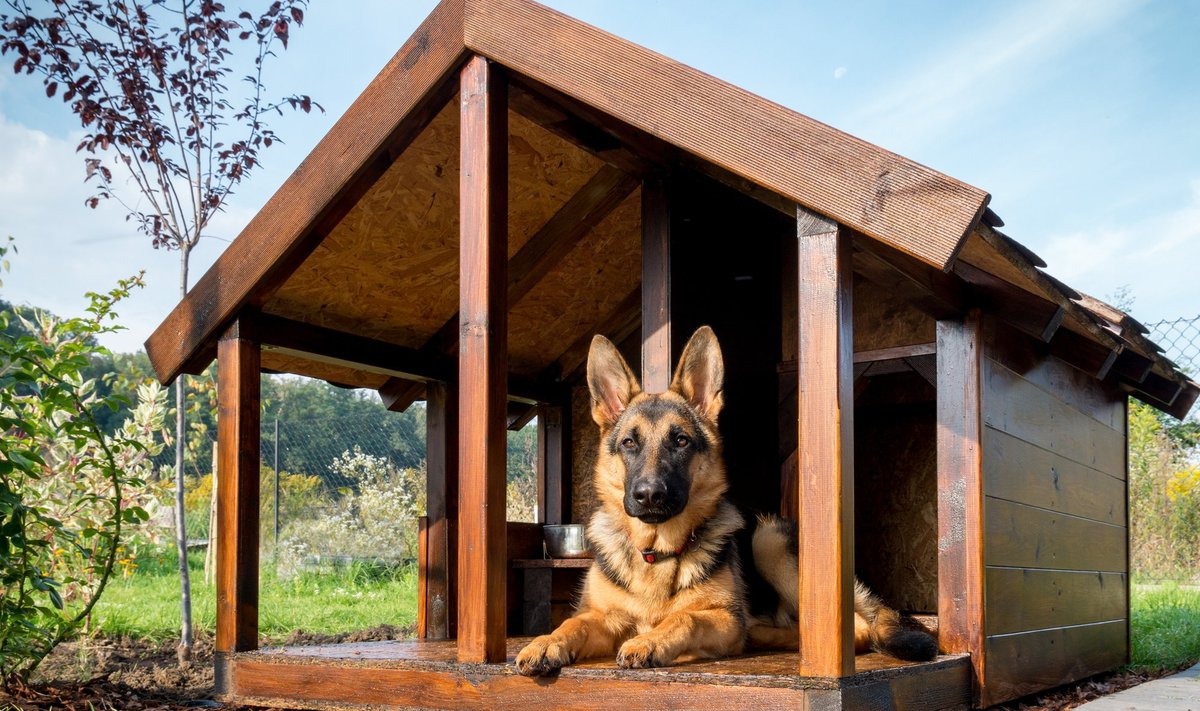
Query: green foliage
(1165, 627)
(69, 492)
(1164, 499)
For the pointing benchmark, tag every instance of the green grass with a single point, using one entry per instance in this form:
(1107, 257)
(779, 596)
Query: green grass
(145, 605)
(1165, 626)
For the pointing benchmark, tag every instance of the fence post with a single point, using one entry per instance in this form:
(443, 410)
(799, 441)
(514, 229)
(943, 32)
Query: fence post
(277, 484)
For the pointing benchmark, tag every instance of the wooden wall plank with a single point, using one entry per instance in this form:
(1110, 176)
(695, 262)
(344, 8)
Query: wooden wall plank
(826, 462)
(554, 465)
(398, 103)
(1019, 471)
(960, 489)
(1025, 537)
(238, 402)
(1024, 410)
(1021, 600)
(441, 496)
(482, 363)
(1020, 664)
(879, 193)
(656, 285)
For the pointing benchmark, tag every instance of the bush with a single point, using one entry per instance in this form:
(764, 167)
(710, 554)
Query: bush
(1164, 499)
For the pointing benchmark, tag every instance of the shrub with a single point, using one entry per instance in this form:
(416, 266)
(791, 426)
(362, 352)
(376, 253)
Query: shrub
(1164, 491)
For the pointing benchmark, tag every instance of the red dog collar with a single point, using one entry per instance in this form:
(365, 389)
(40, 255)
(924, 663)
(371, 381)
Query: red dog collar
(652, 556)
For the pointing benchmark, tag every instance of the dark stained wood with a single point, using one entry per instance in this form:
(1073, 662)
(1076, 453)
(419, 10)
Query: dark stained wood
(1021, 664)
(826, 462)
(657, 361)
(1132, 366)
(875, 192)
(423, 577)
(960, 490)
(1024, 473)
(1020, 600)
(410, 90)
(1028, 312)
(238, 404)
(408, 674)
(1022, 536)
(1026, 411)
(538, 563)
(554, 466)
(520, 414)
(482, 363)
(440, 565)
(398, 394)
(931, 290)
(1092, 358)
(913, 351)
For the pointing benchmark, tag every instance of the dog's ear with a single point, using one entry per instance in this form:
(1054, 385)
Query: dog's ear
(700, 375)
(610, 380)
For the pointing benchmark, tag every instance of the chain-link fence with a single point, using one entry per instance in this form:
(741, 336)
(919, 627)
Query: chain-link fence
(1181, 340)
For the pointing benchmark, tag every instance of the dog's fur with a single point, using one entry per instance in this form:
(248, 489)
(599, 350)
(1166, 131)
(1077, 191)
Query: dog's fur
(667, 581)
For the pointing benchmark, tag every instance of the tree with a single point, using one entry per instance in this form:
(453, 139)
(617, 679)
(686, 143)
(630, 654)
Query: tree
(148, 81)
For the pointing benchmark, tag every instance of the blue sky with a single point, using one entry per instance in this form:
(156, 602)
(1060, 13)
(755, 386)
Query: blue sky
(1080, 118)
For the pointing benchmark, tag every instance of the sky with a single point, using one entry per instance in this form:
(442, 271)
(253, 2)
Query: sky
(1082, 119)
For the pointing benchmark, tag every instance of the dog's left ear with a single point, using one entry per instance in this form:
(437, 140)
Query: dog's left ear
(700, 375)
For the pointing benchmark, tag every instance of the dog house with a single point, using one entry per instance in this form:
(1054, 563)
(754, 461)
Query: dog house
(937, 412)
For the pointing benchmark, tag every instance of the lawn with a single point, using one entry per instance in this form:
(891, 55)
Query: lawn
(145, 605)
(1165, 626)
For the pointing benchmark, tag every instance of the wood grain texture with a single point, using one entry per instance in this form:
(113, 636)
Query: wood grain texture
(1021, 599)
(1021, 664)
(237, 507)
(961, 614)
(554, 464)
(440, 568)
(1022, 536)
(1018, 471)
(657, 360)
(826, 461)
(879, 193)
(386, 114)
(482, 363)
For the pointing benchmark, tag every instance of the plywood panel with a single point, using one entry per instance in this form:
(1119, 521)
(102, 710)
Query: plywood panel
(581, 291)
(1018, 471)
(883, 321)
(1024, 410)
(1020, 600)
(389, 270)
(1025, 537)
(1021, 664)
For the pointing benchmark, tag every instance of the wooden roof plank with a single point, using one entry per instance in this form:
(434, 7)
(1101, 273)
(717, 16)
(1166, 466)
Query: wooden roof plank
(902, 203)
(289, 225)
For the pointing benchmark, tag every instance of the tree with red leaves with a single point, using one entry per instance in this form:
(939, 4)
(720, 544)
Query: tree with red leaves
(149, 83)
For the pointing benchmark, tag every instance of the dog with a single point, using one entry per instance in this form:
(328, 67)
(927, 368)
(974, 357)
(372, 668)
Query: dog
(667, 584)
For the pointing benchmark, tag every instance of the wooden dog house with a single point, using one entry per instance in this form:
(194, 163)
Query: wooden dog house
(515, 181)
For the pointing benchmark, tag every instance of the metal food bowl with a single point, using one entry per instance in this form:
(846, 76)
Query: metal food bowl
(566, 541)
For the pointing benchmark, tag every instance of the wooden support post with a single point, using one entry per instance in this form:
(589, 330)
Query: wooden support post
(238, 361)
(960, 489)
(825, 373)
(554, 486)
(656, 285)
(441, 496)
(483, 280)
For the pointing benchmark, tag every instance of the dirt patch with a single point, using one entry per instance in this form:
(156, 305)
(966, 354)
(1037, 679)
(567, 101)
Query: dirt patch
(103, 674)
(1071, 696)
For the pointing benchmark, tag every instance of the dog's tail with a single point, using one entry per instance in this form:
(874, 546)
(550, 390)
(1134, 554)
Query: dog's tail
(876, 626)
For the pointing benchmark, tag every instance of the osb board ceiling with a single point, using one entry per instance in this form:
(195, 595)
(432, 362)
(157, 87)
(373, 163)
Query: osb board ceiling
(389, 270)
(580, 292)
(883, 321)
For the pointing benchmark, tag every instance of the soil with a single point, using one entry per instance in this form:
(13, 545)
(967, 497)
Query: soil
(135, 675)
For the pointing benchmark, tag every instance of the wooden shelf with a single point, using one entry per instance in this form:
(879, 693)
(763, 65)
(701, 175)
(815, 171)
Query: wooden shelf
(535, 563)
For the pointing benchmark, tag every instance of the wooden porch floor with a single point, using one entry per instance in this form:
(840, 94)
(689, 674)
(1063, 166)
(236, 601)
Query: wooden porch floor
(405, 674)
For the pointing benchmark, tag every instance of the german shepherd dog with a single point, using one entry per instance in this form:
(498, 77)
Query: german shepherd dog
(666, 584)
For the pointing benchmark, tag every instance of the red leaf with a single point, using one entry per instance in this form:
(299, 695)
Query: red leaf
(298, 15)
(51, 88)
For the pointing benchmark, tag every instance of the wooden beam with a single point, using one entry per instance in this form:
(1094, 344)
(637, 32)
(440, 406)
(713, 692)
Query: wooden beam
(1026, 311)
(656, 285)
(554, 465)
(238, 396)
(483, 366)
(1133, 366)
(623, 321)
(440, 566)
(960, 489)
(399, 394)
(825, 375)
(933, 291)
(913, 351)
(410, 91)
(520, 414)
(1085, 354)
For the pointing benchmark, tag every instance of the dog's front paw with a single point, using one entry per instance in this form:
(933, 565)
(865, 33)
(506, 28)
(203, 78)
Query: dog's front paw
(639, 653)
(544, 655)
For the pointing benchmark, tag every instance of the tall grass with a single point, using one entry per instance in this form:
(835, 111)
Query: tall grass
(145, 605)
(1164, 627)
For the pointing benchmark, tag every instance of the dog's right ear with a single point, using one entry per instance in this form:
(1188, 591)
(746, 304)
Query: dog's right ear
(610, 381)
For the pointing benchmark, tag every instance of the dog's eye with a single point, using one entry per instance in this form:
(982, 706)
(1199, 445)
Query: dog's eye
(682, 441)
(628, 443)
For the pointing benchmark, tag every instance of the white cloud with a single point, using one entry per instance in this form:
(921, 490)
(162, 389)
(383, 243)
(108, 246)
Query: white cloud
(839, 72)
(1156, 257)
(982, 69)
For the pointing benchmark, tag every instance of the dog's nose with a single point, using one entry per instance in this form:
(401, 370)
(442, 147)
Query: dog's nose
(650, 492)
